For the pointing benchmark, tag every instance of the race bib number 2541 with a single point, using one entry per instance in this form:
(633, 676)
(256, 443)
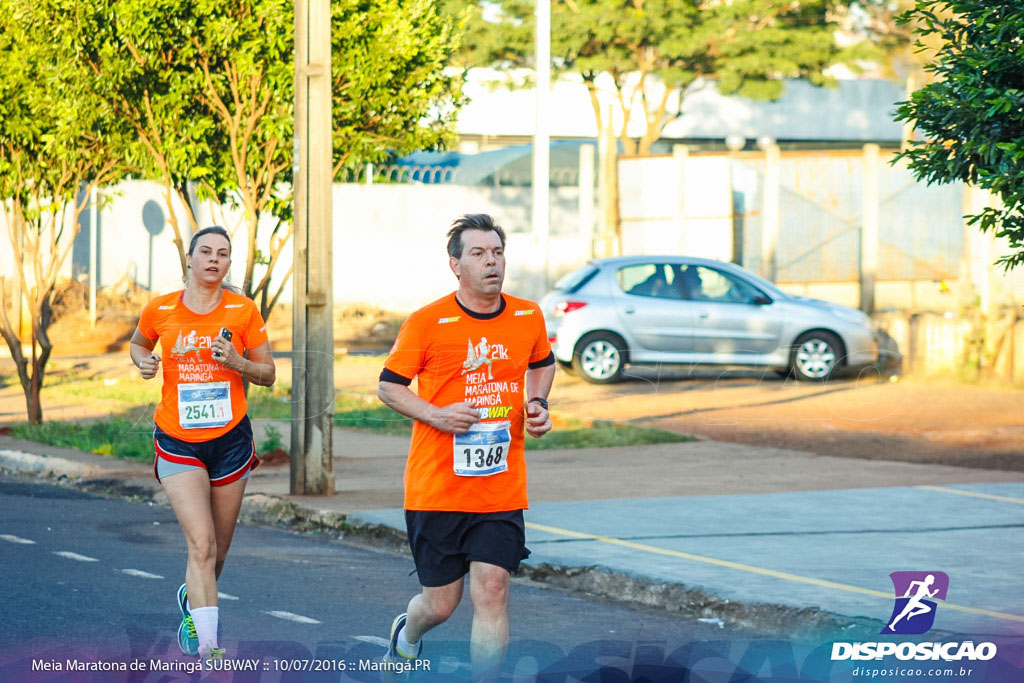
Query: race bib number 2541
(483, 450)
(204, 405)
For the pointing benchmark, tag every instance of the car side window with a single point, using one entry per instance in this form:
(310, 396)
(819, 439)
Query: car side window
(709, 284)
(657, 280)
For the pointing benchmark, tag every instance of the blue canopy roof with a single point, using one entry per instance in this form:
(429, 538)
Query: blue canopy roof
(507, 166)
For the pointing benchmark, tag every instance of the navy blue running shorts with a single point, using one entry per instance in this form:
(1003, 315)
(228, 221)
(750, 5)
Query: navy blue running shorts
(227, 458)
(444, 543)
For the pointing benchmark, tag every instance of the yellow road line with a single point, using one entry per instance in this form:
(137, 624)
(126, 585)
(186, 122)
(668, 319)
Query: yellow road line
(755, 570)
(974, 494)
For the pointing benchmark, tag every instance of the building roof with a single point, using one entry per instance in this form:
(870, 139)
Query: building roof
(857, 110)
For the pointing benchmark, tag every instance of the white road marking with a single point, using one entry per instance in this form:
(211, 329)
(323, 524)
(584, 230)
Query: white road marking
(16, 539)
(74, 556)
(139, 573)
(373, 640)
(225, 596)
(298, 618)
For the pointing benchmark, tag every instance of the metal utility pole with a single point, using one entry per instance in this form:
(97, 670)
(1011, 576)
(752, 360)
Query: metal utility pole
(94, 225)
(541, 137)
(608, 199)
(312, 467)
(869, 228)
(770, 211)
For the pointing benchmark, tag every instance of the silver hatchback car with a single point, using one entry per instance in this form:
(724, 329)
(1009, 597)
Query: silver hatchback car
(674, 309)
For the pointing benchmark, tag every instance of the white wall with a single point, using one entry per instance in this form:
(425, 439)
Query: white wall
(389, 240)
(676, 205)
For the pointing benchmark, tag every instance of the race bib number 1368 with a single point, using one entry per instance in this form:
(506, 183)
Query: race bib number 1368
(483, 450)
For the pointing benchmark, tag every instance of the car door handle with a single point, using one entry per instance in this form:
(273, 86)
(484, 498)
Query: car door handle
(629, 310)
(703, 315)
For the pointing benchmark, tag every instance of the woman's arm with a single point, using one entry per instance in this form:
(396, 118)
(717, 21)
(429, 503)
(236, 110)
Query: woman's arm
(141, 351)
(258, 368)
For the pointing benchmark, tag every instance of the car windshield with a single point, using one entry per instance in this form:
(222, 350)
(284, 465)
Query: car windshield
(576, 279)
(765, 285)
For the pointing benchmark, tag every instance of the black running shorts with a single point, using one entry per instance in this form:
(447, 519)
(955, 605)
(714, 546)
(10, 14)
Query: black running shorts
(444, 543)
(227, 458)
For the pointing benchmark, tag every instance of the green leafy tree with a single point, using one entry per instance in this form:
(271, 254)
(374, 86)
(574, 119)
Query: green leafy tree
(208, 87)
(245, 70)
(55, 146)
(140, 63)
(972, 115)
(653, 49)
(393, 89)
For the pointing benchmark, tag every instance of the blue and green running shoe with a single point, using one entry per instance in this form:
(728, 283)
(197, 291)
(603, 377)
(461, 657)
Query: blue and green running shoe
(188, 641)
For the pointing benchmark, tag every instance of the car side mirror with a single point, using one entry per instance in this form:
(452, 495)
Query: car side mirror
(761, 300)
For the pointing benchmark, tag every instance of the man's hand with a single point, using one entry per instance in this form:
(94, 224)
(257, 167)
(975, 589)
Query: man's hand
(538, 420)
(454, 419)
(150, 366)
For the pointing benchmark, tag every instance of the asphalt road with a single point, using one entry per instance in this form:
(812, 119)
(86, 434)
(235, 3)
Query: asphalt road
(92, 580)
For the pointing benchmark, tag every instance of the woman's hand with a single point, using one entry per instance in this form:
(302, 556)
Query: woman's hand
(224, 352)
(150, 366)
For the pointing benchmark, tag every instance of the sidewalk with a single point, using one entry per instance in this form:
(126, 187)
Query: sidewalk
(776, 540)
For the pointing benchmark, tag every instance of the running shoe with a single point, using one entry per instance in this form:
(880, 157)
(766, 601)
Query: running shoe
(188, 641)
(397, 667)
(182, 600)
(216, 654)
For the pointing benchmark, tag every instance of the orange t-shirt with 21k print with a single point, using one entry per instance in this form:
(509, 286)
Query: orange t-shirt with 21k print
(200, 398)
(457, 357)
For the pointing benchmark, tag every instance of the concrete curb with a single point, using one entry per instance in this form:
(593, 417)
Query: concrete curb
(591, 581)
(53, 466)
(678, 599)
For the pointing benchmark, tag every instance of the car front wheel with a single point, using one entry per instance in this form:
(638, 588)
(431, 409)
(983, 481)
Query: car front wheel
(815, 356)
(599, 358)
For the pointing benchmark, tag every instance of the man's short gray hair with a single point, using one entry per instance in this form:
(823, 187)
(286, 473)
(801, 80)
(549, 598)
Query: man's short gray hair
(471, 221)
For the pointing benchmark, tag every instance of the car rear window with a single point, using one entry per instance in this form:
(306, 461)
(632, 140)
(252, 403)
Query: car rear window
(576, 279)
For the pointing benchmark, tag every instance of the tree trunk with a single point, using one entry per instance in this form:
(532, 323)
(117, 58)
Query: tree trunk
(32, 402)
(616, 215)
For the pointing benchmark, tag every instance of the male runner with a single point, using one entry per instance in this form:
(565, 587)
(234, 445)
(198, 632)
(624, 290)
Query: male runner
(465, 479)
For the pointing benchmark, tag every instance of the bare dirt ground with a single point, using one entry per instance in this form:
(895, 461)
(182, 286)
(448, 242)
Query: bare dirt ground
(902, 418)
(909, 420)
(870, 417)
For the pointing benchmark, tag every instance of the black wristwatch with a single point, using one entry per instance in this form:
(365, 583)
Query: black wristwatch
(542, 401)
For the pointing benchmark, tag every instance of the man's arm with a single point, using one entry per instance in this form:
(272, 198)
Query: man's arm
(456, 418)
(538, 385)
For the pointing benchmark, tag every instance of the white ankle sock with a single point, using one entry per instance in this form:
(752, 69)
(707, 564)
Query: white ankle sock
(405, 648)
(205, 620)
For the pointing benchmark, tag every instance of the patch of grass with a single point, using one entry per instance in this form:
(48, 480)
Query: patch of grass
(603, 434)
(362, 359)
(131, 435)
(133, 391)
(270, 403)
(117, 436)
(272, 442)
(355, 412)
